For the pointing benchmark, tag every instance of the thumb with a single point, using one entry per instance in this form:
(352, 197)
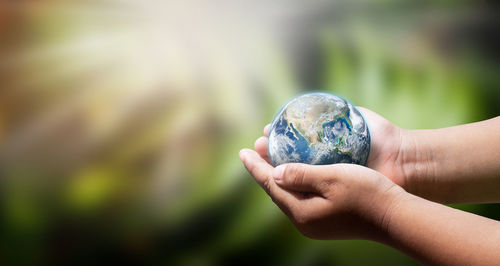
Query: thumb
(302, 177)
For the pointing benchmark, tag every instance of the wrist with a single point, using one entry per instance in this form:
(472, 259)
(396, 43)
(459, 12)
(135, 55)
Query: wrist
(387, 206)
(415, 158)
(377, 206)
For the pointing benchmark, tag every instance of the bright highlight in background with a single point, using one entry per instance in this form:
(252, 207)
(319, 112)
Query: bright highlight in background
(121, 120)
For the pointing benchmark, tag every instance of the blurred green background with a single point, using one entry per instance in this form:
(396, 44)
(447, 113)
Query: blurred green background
(121, 120)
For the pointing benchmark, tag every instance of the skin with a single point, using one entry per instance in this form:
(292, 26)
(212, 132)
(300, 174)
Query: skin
(392, 200)
(458, 164)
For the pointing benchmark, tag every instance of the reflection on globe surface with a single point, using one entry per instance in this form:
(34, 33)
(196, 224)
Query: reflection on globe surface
(318, 128)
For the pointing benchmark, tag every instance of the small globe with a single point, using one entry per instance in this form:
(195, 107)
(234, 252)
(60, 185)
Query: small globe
(318, 128)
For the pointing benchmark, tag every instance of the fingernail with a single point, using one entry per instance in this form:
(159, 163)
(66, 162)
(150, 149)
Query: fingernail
(278, 173)
(256, 141)
(242, 154)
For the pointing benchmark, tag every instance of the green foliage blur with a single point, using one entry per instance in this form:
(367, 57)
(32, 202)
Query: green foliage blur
(121, 120)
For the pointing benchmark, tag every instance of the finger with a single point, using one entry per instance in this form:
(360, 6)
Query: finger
(305, 178)
(261, 148)
(369, 114)
(293, 204)
(266, 130)
(262, 173)
(363, 109)
(258, 168)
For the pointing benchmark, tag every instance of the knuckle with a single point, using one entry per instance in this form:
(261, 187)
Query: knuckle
(267, 185)
(289, 171)
(295, 173)
(327, 185)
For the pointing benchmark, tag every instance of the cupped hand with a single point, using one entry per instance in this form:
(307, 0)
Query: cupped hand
(386, 152)
(340, 201)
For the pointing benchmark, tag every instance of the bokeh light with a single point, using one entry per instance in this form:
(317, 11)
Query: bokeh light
(121, 120)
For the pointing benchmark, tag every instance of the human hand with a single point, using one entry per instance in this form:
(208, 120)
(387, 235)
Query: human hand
(343, 201)
(436, 164)
(433, 164)
(386, 153)
(340, 201)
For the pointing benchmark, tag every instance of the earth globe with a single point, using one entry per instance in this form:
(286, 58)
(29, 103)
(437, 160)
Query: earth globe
(318, 128)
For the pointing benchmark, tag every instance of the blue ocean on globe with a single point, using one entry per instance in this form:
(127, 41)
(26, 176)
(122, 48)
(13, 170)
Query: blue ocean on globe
(318, 128)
